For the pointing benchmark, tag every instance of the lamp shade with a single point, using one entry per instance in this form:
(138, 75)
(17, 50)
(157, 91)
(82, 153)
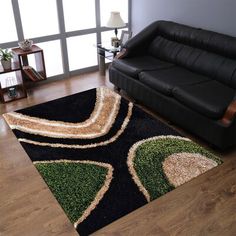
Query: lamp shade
(115, 21)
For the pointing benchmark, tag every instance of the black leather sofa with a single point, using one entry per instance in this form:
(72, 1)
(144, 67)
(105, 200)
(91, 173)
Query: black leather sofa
(185, 74)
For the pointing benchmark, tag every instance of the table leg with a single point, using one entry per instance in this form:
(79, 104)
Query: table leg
(101, 64)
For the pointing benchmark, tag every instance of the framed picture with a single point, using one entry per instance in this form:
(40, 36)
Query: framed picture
(125, 36)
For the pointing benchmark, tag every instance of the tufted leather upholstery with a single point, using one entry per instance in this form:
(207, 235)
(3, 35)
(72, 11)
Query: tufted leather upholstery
(192, 68)
(198, 38)
(198, 60)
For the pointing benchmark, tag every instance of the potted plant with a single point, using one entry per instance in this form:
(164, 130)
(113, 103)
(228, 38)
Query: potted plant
(6, 57)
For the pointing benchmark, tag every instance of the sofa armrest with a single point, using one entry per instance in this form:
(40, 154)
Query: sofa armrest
(230, 113)
(122, 54)
(138, 44)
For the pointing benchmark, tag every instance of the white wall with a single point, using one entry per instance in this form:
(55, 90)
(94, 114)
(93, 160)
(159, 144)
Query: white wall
(216, 15)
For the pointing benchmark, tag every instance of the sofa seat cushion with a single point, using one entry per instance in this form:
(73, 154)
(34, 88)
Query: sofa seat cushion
(210, 98)
(166, 80)
(134, 65)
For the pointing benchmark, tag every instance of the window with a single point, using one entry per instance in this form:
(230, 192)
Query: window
(8, 29)
(66, 30)
(41, 19)
(52, 57)
(82, 51)
(79, 14)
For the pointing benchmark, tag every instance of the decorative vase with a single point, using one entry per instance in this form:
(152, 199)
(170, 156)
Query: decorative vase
(26, 45)
(6, 64)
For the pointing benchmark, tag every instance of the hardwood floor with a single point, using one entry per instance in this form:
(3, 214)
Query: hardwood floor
(203, 206)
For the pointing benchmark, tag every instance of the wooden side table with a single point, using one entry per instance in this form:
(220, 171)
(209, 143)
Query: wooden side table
(104, 51)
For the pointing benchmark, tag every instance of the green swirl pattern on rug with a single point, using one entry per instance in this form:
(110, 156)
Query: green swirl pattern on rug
(146, 160)
(78, 186)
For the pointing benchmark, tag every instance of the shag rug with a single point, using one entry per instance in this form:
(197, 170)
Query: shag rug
(102, 157)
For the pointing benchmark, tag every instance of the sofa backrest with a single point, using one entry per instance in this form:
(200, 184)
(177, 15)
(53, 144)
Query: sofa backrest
(201, 51)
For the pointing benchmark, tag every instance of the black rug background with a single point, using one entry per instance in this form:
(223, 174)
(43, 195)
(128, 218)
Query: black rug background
(123, 195)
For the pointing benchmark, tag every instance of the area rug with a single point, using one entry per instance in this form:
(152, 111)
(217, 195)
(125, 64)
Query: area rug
(102, 157)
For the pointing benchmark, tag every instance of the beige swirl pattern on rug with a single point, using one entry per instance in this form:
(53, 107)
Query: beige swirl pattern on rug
(98, 124)
(84, 146)
(182, 167)
(100, 193)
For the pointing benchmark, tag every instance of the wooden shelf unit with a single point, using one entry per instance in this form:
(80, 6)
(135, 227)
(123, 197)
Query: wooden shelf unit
(15, 80)
(30, 73)
(21, 72)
